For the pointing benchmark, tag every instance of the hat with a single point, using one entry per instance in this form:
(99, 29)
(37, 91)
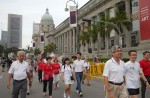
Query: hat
(55, 58)
(114, 48)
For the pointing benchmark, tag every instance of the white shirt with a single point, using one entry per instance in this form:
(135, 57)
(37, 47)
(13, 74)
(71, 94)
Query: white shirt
(114, 71)
(132, 71)
(67, 71)
(86, 64)
(78, 65)
(19, 70)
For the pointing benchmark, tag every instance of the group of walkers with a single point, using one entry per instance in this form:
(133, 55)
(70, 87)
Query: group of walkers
(49, 70)
(121, 80)
(120, 77)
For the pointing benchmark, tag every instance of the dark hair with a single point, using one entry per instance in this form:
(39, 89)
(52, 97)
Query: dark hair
(41, 58)
(66, 59)
(79, 53)
(129, 53)
(145, 52)
(48, 58)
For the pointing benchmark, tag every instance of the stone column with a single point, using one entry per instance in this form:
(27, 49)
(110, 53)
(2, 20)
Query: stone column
(74, 40)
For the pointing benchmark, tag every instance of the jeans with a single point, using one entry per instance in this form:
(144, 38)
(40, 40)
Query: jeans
(79, 76)
(143, 86)
(40, 75)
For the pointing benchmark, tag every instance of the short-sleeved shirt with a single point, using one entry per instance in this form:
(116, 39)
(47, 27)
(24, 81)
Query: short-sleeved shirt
(40, 65)
(145, 65)
(78, 65)
(67, 70)
(56, 68)
(132, 71)
(19, 70)
(48, 70)
(114, 71)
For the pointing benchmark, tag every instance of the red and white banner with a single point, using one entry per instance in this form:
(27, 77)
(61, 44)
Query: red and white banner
(145, 19)
(73, 16)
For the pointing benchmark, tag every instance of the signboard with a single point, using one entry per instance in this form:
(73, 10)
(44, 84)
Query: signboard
(73, 16)
(145, 19)
(135, 15)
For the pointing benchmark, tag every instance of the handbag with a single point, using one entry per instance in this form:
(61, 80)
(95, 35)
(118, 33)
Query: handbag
(71, 77)
(46, 77)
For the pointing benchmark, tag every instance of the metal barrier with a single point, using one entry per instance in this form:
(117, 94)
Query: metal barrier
(96, 69)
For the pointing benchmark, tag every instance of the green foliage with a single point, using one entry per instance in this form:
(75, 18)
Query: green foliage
(50, 48)
(37, 51)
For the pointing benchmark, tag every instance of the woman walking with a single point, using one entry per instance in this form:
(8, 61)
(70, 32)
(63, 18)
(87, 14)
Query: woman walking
(47, 77)
(56, 69)
(67, 76)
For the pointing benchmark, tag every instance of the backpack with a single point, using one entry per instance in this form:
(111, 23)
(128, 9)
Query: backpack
(65, 66)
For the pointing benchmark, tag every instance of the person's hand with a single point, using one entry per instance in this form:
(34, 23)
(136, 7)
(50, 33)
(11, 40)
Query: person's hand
(111, 95)
(8, 85)
(62, 79)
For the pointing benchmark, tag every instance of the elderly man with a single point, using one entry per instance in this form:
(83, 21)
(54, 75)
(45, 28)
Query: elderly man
(19, 71)
(114, 75)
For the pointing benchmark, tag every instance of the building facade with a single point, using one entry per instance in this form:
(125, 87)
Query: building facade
(14, 31)
(4, 38)
(65, 37)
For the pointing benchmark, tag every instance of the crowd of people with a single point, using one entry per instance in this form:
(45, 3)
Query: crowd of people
(121, 80)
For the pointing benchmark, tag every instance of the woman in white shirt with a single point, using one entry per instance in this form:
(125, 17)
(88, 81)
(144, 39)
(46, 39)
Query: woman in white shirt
(86, 67)
(67, 76)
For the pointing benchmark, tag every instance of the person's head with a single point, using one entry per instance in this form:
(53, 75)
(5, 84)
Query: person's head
(146, 55)
(21, 56)
(133, 55)
(48, 59)
(55, 59)
(42, 59)
(116, 51)
(67, 61)
(78, 55)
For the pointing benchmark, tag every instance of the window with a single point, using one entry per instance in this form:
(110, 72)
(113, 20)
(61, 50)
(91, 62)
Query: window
(133, 40)
(94, 20)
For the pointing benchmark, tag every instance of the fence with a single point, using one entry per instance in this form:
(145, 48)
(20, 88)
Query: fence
(96, 69)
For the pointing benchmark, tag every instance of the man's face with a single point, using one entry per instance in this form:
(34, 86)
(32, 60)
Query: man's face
(117, 53)
(78, 56)
(147, 56)
(133, 56)
(21, 56)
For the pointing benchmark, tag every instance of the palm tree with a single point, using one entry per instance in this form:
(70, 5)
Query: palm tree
(120, 20)
(105, 28)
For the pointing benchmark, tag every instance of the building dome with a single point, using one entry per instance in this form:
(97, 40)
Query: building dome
(47, 16)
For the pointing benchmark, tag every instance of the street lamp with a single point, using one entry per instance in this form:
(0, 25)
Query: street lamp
(77, 33)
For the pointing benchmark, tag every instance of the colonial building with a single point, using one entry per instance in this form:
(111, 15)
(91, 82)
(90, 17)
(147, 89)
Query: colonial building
(65, 37)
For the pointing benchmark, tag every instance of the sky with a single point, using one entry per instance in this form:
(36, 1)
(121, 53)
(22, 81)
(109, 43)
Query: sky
(32, 11)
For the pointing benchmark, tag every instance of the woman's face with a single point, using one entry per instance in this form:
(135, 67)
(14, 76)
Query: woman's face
(49, 61)
(67, 62)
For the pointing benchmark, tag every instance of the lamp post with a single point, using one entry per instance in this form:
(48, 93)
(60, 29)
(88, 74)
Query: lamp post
(77, 33)
(45, 29)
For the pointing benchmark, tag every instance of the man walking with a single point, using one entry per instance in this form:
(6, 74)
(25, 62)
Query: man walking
(114, 75)
(19, 72)
(145, 65)
(132, 72)
(78, 69)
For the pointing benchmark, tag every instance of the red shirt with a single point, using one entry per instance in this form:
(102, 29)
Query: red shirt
(40, 65)
(48, 70)
(56, 68)
(145, 65)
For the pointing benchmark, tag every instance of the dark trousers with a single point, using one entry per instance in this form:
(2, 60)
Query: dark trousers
(79, 76)
(19, 87)
(40, 75)
(50, 85)
(143, 86)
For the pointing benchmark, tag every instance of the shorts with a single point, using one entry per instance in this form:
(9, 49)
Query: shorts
(133, 91)
(56, 78)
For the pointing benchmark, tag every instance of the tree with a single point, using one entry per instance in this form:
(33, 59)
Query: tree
(120, 20)
(1, 50)
(37, 51)
(50, 48)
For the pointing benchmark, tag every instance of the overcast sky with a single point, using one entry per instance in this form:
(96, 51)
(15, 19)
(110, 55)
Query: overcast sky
(32, 11)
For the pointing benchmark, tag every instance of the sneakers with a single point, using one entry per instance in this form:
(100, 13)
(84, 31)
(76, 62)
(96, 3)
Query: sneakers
(80, 94)
(65, 95)
(77, 91)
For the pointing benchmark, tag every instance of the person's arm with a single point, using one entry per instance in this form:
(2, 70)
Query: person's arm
(145, 80)
(10, 75)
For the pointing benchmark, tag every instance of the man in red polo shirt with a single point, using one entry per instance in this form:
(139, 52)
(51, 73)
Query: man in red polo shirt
(40, 68)
(145, 65)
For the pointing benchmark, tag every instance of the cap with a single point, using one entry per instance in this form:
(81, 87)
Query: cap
(55, 58)
(114, 48)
